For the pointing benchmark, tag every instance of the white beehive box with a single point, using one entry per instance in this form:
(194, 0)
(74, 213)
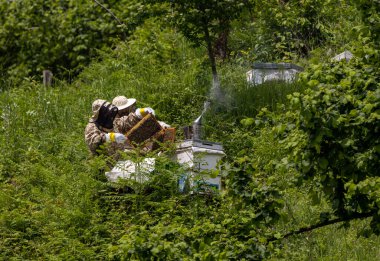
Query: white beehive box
(263, 72)
(199, 156)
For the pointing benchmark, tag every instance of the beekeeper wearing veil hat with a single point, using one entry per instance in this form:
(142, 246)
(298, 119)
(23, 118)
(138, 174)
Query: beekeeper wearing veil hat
(128, 115)
(100, 128)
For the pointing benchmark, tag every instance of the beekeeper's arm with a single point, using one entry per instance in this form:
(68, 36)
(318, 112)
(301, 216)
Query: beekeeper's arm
(125, 123)
(94, 137)
(115, 137)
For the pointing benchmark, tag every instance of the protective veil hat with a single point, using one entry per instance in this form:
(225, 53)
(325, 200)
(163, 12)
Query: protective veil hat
(122, 102)
(107, 114)
(96, 105)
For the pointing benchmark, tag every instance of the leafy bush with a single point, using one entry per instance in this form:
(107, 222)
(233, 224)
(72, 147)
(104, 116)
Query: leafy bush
(340, 118)
(286, 31)
(62, 36)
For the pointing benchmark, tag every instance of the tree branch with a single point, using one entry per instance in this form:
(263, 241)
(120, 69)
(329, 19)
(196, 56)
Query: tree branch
(324, 223)
(113, 15)
(109, 11)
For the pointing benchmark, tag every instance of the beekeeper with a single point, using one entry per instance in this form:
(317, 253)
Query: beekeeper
(100, 128)
(132, 115)
(128, 115)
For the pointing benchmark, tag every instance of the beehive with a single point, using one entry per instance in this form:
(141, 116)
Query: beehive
(263, 72)
(197, 157)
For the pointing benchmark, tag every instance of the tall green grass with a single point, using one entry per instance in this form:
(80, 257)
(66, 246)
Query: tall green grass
(246, 99)
(251, 98)
(47, 184)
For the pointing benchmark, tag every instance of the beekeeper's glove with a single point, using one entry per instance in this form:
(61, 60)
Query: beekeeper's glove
(115, 137)
(164, 125)
(142, 112)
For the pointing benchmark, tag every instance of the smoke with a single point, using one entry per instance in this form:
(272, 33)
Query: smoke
(218, 100)
(197, 124)
(215, 92)
(217, 96)
(206, 106)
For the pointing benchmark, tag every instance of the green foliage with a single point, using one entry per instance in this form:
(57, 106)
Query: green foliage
(340, 118)
(193, 228)
(370, 10)
(282, 156)
(194, 17)
(287, 30)
(62, 36)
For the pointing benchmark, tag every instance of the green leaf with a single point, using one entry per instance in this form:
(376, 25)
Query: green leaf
(313, 83)
(247, 122)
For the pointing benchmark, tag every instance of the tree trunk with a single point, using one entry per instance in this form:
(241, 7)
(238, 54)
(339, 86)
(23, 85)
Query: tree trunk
(215, 90)
(220, 45)
(210, 51)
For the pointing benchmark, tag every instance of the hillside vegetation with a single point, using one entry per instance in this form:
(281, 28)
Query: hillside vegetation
(301, 167)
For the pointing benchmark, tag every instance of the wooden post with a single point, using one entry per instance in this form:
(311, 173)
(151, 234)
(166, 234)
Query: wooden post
(47, 77)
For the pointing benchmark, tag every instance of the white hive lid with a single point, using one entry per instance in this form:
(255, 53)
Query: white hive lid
(200, 144)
